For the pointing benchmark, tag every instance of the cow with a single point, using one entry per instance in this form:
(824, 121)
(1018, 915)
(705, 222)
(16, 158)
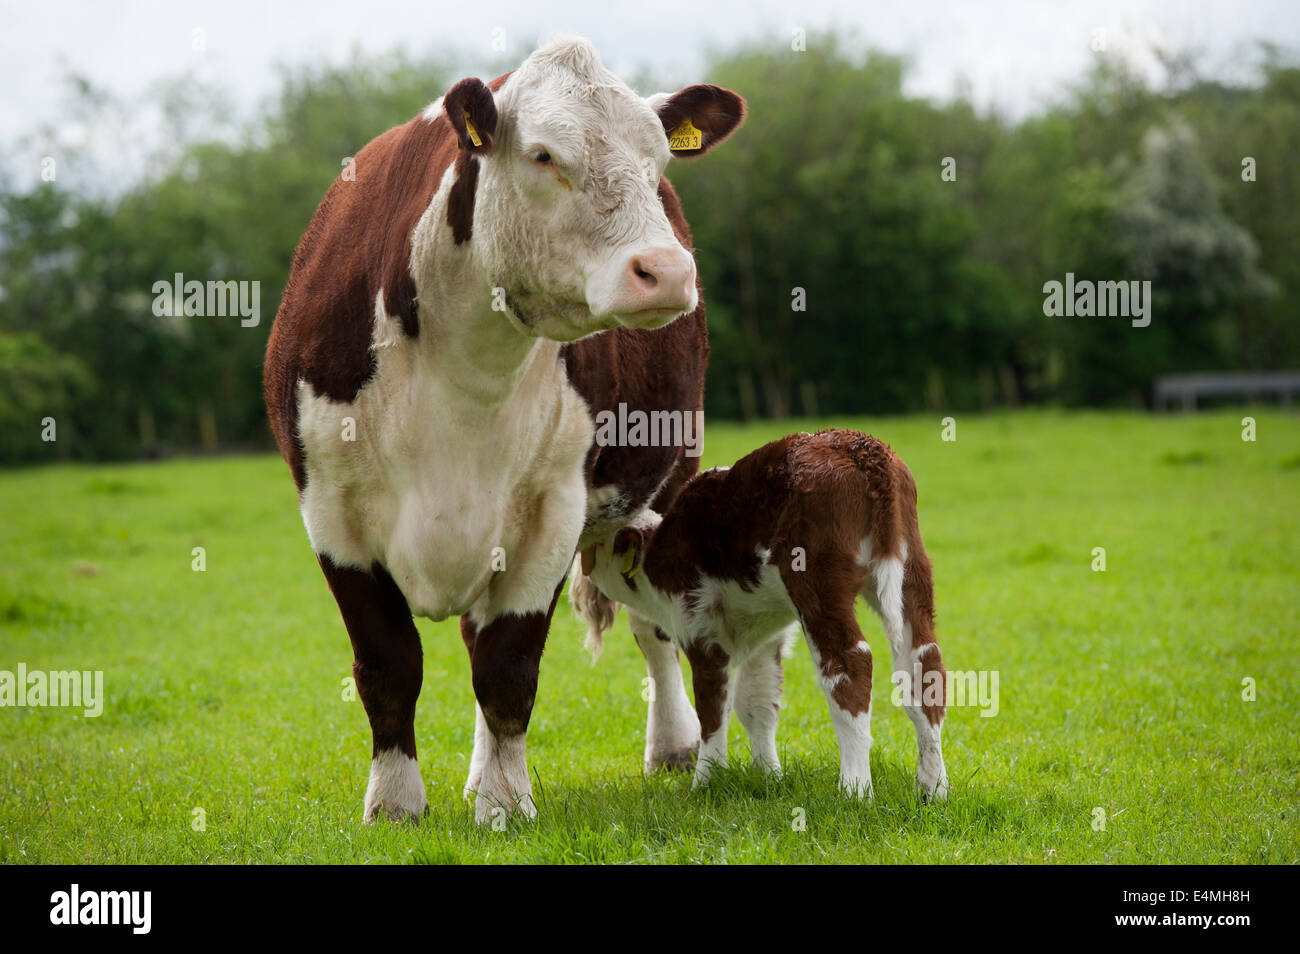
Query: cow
(494, 273)
(789, 537)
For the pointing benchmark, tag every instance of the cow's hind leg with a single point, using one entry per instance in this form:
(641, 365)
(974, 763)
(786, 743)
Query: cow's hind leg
(672, 733)
(505, 655)
(388, 668)
(482, 743)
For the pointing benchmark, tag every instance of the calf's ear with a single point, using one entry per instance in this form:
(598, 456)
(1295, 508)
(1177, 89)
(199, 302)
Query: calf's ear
(697, 118)
(629, 543)
(473, 114)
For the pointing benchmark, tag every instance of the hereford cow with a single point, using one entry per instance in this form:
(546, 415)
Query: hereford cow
(434, 373)
(791, 535)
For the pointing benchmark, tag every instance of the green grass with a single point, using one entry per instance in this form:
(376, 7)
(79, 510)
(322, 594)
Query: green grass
(1119, 690)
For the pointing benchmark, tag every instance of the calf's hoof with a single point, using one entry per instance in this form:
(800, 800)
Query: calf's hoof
(673, 760)
(934, 790)
(395, 814)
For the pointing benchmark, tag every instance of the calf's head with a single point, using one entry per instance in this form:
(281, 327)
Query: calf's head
(615, 564)
(562, 167)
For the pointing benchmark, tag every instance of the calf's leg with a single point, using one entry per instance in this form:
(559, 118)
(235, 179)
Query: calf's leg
(711, 675)
(903, 596)
(843, 662)
(842, 657)
(672, 734)
(758, 700)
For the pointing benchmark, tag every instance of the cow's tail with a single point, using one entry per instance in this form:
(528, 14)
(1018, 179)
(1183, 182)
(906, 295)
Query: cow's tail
(593, 607)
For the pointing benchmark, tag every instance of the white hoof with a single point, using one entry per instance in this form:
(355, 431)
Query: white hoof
(936, 788)
(503, 787)
(857, 787)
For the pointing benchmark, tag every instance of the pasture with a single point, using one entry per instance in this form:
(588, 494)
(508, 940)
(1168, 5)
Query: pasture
(1119, 691)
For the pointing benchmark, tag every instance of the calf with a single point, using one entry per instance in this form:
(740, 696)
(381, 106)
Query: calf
(791, 534)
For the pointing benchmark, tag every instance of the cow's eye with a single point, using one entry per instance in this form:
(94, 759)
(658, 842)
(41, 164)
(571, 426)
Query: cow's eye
(542, 158)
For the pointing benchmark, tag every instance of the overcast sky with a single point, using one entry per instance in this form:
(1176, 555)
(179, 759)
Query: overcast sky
(1015, 54)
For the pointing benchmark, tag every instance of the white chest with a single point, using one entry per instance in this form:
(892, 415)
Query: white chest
(468, 504)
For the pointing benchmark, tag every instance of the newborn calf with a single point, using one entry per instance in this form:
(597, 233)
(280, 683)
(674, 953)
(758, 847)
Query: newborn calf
(791, 534)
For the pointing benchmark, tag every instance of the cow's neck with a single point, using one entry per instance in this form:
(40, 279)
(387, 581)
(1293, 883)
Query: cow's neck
(483, 356)
(480, 354)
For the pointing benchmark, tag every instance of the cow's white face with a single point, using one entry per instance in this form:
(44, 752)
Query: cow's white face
(568, 220)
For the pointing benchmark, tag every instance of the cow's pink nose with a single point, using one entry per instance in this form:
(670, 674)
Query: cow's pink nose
(658, 279)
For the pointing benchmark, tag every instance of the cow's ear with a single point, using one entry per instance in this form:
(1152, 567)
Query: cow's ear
(629, 543)
(697, 118)
(473, 114)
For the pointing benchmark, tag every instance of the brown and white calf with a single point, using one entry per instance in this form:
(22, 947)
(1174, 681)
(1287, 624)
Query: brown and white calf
(427, 386)
(791, 534)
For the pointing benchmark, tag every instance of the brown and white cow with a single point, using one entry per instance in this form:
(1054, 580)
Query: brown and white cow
(434, 372)
(790, 535)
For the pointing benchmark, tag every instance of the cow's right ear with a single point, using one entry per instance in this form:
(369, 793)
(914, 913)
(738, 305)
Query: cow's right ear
(473, 114)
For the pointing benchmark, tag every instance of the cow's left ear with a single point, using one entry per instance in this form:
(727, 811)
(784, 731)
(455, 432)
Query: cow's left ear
(629, 543)
(473, 114)
(697, 118)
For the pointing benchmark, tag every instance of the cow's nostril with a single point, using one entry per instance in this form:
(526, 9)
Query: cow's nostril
(648, 278)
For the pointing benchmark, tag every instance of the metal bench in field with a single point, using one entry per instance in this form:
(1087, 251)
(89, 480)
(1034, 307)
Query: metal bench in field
(1254, 385)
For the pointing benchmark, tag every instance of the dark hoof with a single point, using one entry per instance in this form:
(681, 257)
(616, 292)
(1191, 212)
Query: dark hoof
(396, 816)
(682, 760)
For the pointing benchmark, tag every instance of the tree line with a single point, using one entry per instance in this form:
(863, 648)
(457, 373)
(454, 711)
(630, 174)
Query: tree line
(862, 250)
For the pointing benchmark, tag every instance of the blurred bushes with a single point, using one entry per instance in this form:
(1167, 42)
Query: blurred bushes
(40, 389)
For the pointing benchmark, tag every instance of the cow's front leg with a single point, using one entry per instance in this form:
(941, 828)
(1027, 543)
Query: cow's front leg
(505, 654)
(388, 668)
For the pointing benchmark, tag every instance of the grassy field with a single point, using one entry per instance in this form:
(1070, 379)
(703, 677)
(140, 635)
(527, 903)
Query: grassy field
(1120, 691)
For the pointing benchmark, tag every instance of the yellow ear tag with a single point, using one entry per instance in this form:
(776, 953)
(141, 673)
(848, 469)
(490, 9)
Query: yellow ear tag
(473, 133)
(630, 565)
(685, 137)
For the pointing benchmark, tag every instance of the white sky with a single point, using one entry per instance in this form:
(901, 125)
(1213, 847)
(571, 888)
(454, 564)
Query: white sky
(1015, 54)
